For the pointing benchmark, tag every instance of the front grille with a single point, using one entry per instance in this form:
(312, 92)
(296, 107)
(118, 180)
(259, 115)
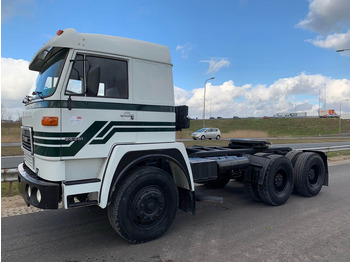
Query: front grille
(29, 160)
(27, 139)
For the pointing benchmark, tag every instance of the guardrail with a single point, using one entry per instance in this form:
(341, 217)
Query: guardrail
(10, 175)
(329, 148)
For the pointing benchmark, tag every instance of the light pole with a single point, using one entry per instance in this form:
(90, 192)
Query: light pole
(347, 99)
(342, 50)
(205, 84)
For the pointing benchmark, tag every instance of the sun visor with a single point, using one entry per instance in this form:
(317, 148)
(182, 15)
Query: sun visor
(38, 61)
(42, 57)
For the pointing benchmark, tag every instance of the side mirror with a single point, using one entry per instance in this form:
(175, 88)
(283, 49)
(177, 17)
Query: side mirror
(93, 80)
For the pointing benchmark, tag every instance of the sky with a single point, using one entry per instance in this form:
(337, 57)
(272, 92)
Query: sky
(267, 57)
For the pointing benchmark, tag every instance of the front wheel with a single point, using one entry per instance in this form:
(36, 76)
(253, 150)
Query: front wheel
(202, 137)
(144, 206)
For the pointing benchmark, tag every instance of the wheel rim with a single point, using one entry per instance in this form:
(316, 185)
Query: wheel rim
(280, 180)
(148, 206)
(313, 175)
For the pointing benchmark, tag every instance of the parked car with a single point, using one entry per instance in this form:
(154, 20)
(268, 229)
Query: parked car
(219, 117)
(207, 133)
(236, 117)
(266, 117)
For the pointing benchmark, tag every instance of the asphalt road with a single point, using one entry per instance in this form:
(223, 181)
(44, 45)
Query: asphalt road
(14, 161)
(304, 229)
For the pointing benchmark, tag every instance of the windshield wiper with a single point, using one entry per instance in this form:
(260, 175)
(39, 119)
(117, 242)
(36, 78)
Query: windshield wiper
(27, 99)
(40, 94)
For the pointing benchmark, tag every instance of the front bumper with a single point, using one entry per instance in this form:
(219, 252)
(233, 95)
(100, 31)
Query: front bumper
(37, 192)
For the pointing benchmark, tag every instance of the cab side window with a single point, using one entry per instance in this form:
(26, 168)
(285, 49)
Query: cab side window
(113, 76)
(105, 77)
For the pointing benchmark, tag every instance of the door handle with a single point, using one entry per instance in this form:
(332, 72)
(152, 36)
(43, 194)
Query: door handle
(128, 115)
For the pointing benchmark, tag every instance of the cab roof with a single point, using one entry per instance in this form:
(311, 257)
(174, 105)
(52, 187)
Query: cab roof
(70, 38)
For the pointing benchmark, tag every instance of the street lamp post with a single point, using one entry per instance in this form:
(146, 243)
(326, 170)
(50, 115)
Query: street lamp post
(205, 84)
(342, 50)
(347, 99)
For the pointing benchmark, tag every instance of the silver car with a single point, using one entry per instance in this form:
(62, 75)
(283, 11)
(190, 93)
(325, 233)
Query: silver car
(207, 133)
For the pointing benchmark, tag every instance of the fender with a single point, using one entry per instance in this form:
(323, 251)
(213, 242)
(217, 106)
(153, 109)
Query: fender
(125, 157)
(324, 159)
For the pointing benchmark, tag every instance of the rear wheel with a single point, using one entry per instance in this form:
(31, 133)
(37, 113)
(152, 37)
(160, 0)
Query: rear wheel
(278, 181)
(218, 137)
(293, 156)
(309, 174)
(144, 206)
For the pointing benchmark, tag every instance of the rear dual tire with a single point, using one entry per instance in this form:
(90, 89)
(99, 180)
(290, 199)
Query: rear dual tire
(278, 181)
(309, 173)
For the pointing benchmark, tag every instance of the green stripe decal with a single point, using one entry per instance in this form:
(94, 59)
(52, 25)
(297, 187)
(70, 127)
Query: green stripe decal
(100, 105)
(96, 128)
(51, 142)
(119, 123)
(50, 134)
(136, 129)
(75, 147)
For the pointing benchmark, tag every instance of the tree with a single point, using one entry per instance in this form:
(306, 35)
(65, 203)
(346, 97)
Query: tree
(4, 112)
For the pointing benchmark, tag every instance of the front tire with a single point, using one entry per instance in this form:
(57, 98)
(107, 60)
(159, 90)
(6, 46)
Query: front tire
(144, 206)
(202, 137)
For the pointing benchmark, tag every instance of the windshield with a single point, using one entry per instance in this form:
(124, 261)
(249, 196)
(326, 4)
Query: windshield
(201, 130)
(47, 80)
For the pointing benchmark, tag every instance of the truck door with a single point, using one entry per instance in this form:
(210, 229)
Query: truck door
(96, 108)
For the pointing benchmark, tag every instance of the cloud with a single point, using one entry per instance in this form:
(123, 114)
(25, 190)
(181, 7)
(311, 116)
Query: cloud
(181, 96)
(332, 41)
(294, 94)
(215, 64)
(331, 20)
(185, 49)
(327, 16)
(13, 8)
(16, 81)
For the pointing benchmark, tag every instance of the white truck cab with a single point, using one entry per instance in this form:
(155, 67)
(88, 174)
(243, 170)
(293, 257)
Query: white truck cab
(99, 129)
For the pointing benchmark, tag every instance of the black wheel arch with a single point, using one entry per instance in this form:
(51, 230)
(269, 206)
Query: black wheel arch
(162, 159)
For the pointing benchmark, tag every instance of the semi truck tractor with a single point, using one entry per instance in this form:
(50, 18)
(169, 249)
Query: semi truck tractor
(99, 130)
